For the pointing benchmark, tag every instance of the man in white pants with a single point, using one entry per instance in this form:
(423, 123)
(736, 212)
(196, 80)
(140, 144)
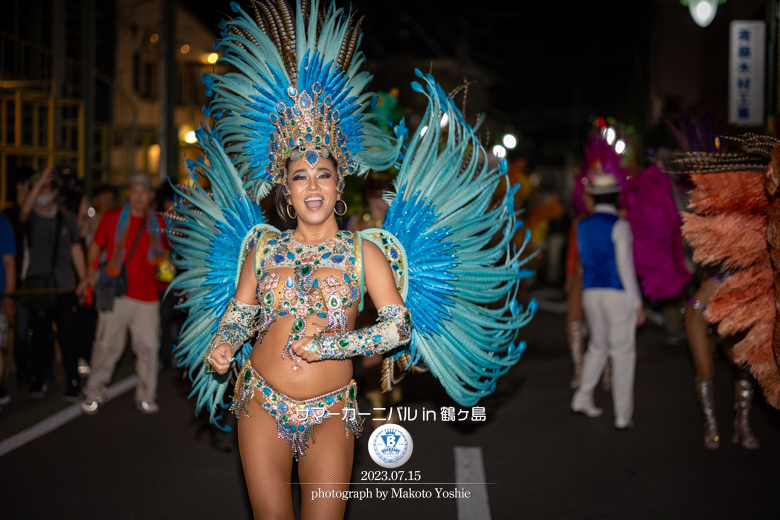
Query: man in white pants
(133, 239)
(611, 300)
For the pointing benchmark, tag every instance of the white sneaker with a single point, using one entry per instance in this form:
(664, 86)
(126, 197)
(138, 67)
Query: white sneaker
(147, 407)
(589, 410)
(90, 407)
(84, 369)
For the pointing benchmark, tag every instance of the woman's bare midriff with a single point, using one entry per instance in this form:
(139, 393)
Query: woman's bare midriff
(311, 379)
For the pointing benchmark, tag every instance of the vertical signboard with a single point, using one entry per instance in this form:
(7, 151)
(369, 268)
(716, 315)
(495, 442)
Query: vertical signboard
(746, 72)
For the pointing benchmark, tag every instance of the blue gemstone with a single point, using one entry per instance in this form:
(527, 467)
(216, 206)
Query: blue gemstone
(272, 412)
(305, 100)
(309, 137)
(291, 91)
(288, 282)
(282, 406)
(278, 259)
(376, 339)
(315, 283)
(346, 277)
(326, 255)
(266, 405)
(353, 293)
(267, 391)
(290, 255)
(312, 158)
(301, 428)
(322, 315)
(394, 254)
(329, 400)
(327, 139)
(337, 259)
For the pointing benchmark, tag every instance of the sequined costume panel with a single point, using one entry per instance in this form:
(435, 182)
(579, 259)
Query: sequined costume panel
(295, 419)
(304, 295)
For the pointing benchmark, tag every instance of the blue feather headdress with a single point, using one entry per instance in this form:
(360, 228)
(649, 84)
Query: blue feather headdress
(296, 92)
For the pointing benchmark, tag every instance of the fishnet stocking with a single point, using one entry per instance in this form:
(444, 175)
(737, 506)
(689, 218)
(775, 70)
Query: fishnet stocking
(267, 462)
(326, 467)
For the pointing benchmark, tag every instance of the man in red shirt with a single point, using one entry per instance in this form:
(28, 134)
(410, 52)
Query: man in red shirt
(138, 310)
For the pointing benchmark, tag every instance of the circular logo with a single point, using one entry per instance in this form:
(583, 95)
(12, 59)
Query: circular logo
(390, 446)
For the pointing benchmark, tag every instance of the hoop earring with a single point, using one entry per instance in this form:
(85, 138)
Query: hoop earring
(345, 209)
(288, 213)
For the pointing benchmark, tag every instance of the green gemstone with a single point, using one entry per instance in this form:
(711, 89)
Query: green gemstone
(308, 129)
(284, 418)
(299, 325)
(247, 376)
(343, 343)
(306, 269)
(351, 392)
(273, 397)
(299, 250)
(268, 299)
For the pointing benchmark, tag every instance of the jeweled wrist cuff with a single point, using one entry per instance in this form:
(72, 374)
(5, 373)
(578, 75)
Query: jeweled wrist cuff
(236, 326)
(394, 329)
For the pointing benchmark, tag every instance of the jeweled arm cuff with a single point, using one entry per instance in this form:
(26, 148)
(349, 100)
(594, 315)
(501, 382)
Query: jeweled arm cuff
(393, 329)
(237, 325)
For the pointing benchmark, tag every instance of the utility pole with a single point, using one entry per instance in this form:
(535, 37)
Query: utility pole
(168, 137)
(88, 88)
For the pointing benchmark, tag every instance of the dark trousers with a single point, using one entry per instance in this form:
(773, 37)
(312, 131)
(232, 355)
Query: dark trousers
(86, 325)
(21, 342)
(42, 353)
(170, 326)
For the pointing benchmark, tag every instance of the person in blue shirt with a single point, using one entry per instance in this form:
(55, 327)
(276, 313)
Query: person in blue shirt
(7, 283)
(611, 300)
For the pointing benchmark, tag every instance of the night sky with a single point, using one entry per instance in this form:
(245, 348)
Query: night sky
(552, 65)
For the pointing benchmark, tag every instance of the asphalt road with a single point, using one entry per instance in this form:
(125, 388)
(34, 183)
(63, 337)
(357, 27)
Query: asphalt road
(540, 460)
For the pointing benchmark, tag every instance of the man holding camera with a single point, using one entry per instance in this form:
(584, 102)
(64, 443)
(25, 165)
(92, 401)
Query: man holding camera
(126, 294)
(55, 259)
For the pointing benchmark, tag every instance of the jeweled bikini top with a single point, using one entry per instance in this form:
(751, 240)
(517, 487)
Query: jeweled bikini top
(303, 295)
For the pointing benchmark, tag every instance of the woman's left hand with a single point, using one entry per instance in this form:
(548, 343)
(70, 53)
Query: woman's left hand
(305, 355)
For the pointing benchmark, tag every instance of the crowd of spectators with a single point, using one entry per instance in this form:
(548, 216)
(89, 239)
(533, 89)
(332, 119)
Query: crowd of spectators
(79, 275)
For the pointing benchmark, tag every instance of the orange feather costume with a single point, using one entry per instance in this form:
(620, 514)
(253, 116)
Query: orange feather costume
(736, 225)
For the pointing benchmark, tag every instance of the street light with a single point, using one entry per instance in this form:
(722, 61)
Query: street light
(510, 141)
(702, 11)
(610, 135)
(499, 151)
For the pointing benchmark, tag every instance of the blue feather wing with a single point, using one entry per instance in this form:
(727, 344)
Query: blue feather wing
(462, 273)
(210, 235)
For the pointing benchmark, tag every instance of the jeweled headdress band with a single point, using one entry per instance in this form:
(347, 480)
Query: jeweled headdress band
(306, 130)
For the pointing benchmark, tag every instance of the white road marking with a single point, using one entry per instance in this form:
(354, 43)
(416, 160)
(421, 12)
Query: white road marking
(62, 417)
(470, 469)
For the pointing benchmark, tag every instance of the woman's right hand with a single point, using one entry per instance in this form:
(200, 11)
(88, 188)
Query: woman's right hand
(221, 357)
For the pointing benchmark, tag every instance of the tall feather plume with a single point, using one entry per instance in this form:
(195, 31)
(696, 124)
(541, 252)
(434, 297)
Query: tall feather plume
(736, 225)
